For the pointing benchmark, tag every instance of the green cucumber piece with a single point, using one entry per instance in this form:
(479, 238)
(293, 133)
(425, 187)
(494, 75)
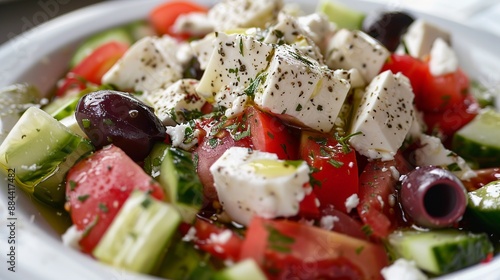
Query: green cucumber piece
(62, 107)
(483, 94)
(183, 261)
(484, 205)
(41, 150)
(14, 100)
(152, 163)
(118, 34)
(478, 140)
(140, 29)
(341, 15)
(139, 235)
(243, 270)
(441, 251)
(181, 182)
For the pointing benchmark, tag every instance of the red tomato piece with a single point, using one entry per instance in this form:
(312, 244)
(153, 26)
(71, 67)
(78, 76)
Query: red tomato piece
(308, 207)
(291, 250)
(269, 134)
(70, 84)
(95, 65)
(220, 242)
(484, 176)
(448, 121)
(335, 171)
(409, 66)
(377, 206)
(164, 16)
(442, 92)
(98, 186)
(344, 223)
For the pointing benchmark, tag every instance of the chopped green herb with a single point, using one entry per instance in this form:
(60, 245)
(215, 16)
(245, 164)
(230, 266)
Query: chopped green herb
(270, 135)
(254, 84)
(344, 139)
(84, 197)
(453, 167)
(108, 122)
(213, 142)
(72, 185)
(146, 202)
(278, 241)
(86, 123)
(301, 58)
(103, 207)
(299, 107)
(359, 250)
(367, 230)
(335, 163)
(90, 226)
(241, 46)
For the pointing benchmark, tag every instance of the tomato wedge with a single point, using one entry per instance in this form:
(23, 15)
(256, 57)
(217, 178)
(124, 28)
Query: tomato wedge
(290, 250)
(98, 186)
(335, 169)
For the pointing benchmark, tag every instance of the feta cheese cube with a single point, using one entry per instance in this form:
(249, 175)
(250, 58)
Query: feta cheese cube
(149, 64)
(232, 14)
(318, 27)
(384, 116)
(172, 104)
(355, 49)
(403, 269)
(300, 90)
(250, 182)
(420, 37)
(235, 61)
(433, 152)
(203, 49)
(288, 31)
(443, 58)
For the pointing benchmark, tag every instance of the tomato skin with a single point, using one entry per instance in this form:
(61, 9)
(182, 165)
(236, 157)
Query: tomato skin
(288, 250)
(164, 16)
(335, 181)
(449, 121)
(345, 224)
(484, 176)
(409, 66)
(442, 92)
(94, 66)
(228, 249)
(269, 134)
(376, 184)
(308, 207)
(98, 186)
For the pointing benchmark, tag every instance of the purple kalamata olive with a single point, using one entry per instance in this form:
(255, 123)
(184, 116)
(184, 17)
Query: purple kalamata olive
(433, 197)
(118, 118)
(387, 27)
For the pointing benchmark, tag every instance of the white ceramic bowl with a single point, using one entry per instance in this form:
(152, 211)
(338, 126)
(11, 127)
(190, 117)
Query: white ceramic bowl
(41, 56)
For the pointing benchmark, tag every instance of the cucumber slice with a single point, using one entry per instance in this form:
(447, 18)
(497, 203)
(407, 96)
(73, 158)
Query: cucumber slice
(341, 15)
(62, 107)
(42, 150)
(441, 251)
(118, 34)
(139, 235)
(478, 140)
(244, 270)
(484, 205)
(181, 182)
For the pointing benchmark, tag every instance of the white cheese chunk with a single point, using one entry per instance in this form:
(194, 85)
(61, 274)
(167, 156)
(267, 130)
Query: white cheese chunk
(183, 136)
(355, 49)
(71, 238)
(172, 104)
(443, 60)
(328, 222)
(420, 37)
(403, 269)
(353, 76)
(384, 116)
(250, 182)
(433, 152)
(203, 49)
(195, 24)
(236, 60)
(288, 31)
(149, 64)
(301, 91)
(318, 27)
(351, 202)
(232, 14)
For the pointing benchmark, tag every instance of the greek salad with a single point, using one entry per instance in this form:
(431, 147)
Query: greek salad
(249, 140)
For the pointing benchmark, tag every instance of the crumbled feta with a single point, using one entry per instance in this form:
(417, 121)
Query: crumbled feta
(183, 136)
(403, 269)
(190, 235)
(72, 237)
(433, 152)
(196, 24)
(220, 238)
(328, 222)
(351, 202)
(318, 27)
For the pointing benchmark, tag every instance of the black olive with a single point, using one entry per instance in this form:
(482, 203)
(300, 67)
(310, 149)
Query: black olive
(118, 118)
(387, 27)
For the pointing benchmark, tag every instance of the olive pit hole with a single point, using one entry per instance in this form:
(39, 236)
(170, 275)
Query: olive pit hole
(434, 203)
